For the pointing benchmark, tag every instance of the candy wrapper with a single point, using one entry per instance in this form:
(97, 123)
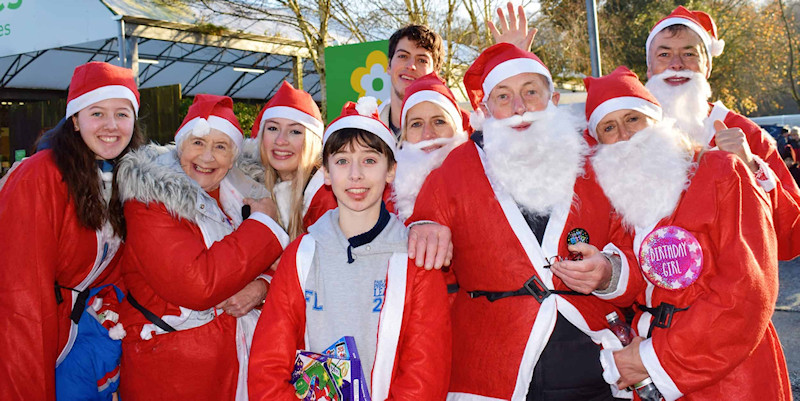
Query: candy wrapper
(334, 375)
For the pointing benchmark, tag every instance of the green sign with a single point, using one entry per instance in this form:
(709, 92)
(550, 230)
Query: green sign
(354, 71)
(19, 154)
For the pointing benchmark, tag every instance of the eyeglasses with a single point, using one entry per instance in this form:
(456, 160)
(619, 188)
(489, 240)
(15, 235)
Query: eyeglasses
(553, 259)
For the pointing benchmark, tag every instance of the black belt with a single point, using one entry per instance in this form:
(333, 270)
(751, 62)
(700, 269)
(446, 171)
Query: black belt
(534, 287)
(149, 315)
(662, 315)
(80, 301)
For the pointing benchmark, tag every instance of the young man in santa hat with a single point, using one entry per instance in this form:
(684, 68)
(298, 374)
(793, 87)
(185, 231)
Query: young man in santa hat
(516, 197)
(350, 276)
(707, 254)
(679, 52)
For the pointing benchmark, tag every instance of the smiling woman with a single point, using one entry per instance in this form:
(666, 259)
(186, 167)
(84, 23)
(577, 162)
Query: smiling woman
(63, 226)
(195, 266)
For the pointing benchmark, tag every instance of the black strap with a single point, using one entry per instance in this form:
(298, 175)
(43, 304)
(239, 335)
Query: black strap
(452, 288)
(149, 315)
(80, 302)
(662, 315)
(534, 286)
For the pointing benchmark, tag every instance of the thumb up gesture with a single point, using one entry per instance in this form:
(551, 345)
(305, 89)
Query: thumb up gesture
(733, 140)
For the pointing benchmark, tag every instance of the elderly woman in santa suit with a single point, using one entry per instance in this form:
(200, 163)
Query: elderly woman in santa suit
(62, 226)
(193, 260)
(702, 232)
(432, 125)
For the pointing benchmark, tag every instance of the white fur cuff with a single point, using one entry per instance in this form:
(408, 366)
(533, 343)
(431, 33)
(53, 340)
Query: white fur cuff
(610, 372)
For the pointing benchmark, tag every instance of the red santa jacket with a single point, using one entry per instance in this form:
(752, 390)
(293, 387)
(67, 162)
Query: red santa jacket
(786, 196)
(43, 242)
(413, 356)
(182, 255)
(724, 345)
(498, 343)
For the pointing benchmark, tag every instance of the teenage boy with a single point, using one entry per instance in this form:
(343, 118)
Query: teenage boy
(350, 275)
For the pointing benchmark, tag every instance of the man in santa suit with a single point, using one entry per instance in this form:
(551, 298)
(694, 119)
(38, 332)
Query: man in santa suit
(679, 52)
(514, 196)
(701, 228)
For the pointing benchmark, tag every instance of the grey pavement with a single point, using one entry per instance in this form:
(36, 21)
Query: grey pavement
(787, 319)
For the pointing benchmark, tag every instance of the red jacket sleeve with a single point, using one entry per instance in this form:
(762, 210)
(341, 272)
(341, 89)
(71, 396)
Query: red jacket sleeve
(422, 371)
(279, 334)
(786, 216)
(734, 304)
(173, 257)
(322, 201)
(31, 211)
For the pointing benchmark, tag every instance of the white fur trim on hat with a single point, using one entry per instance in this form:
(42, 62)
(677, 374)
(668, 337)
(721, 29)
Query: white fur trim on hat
(308, 121)
(203, 127)
(513, 67)
(362, 122)
(367, 105)
(102, 93)
(435, 98)
(622, 103)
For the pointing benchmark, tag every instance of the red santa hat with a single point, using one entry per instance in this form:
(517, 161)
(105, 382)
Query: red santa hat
(699, 22)
(362, 115)
(207, 112)
(497, 63)
(620, 90)
(431, 88)
(97, 81)
(294, 104)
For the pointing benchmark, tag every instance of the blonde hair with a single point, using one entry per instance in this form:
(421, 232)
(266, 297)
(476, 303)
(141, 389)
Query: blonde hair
(310, 161)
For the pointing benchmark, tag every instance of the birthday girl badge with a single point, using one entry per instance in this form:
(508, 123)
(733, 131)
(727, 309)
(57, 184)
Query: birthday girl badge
(671, 258)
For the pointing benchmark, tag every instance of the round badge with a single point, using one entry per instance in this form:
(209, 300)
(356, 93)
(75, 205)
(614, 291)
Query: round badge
(671, 258)
(577, 235)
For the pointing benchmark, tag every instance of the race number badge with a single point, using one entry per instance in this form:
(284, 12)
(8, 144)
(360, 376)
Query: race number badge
(671, 258)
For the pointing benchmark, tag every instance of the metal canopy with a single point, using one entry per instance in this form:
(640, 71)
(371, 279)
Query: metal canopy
(199, 62)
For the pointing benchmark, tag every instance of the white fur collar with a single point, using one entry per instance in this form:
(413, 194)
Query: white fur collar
(249, 160)
(538, 166)
(645, 176)
(153, 173)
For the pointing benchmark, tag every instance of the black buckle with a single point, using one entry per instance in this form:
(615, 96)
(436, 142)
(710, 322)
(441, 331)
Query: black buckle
(663, 316)
(536, 288)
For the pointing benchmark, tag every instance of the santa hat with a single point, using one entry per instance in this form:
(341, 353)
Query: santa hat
(362, 115)
(97, 81)
(620, 90)
(207, 112)
(699, 22)
(497, 63)
(431, 88)
(294, 104)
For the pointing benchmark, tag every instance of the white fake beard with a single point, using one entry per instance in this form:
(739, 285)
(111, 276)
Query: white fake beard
(413, 167)
(538, 166)
(686, 103)
(645, 176)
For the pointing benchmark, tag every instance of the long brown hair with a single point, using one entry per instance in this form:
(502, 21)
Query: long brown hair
(76, 162)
